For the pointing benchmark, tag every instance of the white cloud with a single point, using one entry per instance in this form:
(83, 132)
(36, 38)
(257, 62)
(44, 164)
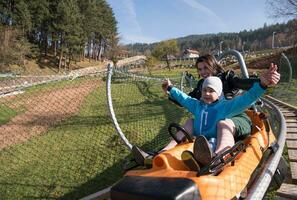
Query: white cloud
(129, 38)
(129, 9)
(210, 14)
(133, 29)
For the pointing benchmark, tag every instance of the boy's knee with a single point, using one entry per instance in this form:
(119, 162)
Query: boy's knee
(225, 123)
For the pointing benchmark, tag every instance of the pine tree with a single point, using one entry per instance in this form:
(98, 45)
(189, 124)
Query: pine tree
(69, 29)
(64, 26)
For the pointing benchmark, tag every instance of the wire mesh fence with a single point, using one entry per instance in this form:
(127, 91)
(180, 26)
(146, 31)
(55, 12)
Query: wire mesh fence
(286, 90)
(57, 140)
(142, 109)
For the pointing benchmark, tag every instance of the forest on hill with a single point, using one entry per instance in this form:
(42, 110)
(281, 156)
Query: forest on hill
(62, 31)
(248, 40)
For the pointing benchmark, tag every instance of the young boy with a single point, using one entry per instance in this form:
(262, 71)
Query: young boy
(210, 109)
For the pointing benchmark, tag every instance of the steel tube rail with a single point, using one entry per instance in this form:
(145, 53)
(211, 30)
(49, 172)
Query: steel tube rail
(111, 110)
(290, 66)
(10, 89)
(182, 82)
(241, 62)
(138, 76)
(240, 59)
(260, 186)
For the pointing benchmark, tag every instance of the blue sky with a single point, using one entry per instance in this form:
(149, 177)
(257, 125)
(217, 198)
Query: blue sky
(150, 21)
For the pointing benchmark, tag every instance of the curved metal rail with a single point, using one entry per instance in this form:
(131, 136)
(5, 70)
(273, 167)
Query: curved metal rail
(288, 188)
(110, 107)
(110, 71)
(109, 98)
(260, 185)
(290, 72)
(186, 78)
(241, 62)
(24, 82)
(240, 59)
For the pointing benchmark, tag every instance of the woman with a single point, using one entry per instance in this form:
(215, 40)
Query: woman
(238, 126)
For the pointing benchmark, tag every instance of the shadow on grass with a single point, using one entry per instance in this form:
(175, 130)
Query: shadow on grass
(48, 62)
(81, 164)
(114, 173)
(101, 181)
(6, 184)
(168, 109)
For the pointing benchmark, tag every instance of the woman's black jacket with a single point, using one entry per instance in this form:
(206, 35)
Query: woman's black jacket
(232, 84)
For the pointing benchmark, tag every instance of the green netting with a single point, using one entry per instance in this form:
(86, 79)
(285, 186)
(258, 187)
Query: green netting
(285, 68)
(57, 140)
(143, 111)
(286, 90)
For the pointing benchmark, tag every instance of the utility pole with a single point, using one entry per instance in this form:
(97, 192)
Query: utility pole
(272, 43)
(221, 42)
(243, 53)
(242, 47)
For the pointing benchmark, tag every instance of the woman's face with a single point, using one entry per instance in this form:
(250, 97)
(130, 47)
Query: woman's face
(203, 71)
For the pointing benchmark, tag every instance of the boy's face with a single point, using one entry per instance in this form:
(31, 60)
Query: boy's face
(209, 95)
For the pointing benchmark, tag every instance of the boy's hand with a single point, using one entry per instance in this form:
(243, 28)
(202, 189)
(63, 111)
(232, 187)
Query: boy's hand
(270, 77)
(165, 85)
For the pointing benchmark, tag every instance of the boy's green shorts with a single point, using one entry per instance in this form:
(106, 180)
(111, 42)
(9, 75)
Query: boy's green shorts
(243, 125)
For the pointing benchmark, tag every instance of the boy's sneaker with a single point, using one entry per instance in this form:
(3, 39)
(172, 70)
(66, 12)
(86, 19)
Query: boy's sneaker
(140, 156)
(202, 150)
(189, 160)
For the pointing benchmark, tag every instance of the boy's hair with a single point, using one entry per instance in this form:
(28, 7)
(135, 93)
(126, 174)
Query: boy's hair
(215, 83)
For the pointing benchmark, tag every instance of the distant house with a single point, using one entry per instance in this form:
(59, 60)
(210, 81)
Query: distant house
(123, 54)
(168, 57)
(190, 53)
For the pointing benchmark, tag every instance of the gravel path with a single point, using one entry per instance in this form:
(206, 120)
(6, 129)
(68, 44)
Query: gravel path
(43, 111)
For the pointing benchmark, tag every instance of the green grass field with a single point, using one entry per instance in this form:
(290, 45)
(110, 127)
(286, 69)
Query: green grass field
(7, 114)
(83, 154)
(71, 160)
(286, 92)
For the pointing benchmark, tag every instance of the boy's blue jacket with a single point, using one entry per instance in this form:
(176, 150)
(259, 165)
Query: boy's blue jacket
(206, 116)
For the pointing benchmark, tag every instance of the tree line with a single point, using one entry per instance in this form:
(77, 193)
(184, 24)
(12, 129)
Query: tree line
(246, 40)
(69, 30)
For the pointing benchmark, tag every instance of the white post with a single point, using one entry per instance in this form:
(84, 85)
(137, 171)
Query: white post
(221, 47)
(272, 43)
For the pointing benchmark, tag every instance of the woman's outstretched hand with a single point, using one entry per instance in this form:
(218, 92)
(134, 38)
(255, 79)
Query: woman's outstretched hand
(165, 85)
(270, 77)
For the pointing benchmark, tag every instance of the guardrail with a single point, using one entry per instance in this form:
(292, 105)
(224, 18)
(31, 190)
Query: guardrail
(11, 86)
(260, 186)
(18, 83)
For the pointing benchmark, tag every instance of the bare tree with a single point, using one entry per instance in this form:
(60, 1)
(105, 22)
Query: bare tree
(285, 9)
(282, 8)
